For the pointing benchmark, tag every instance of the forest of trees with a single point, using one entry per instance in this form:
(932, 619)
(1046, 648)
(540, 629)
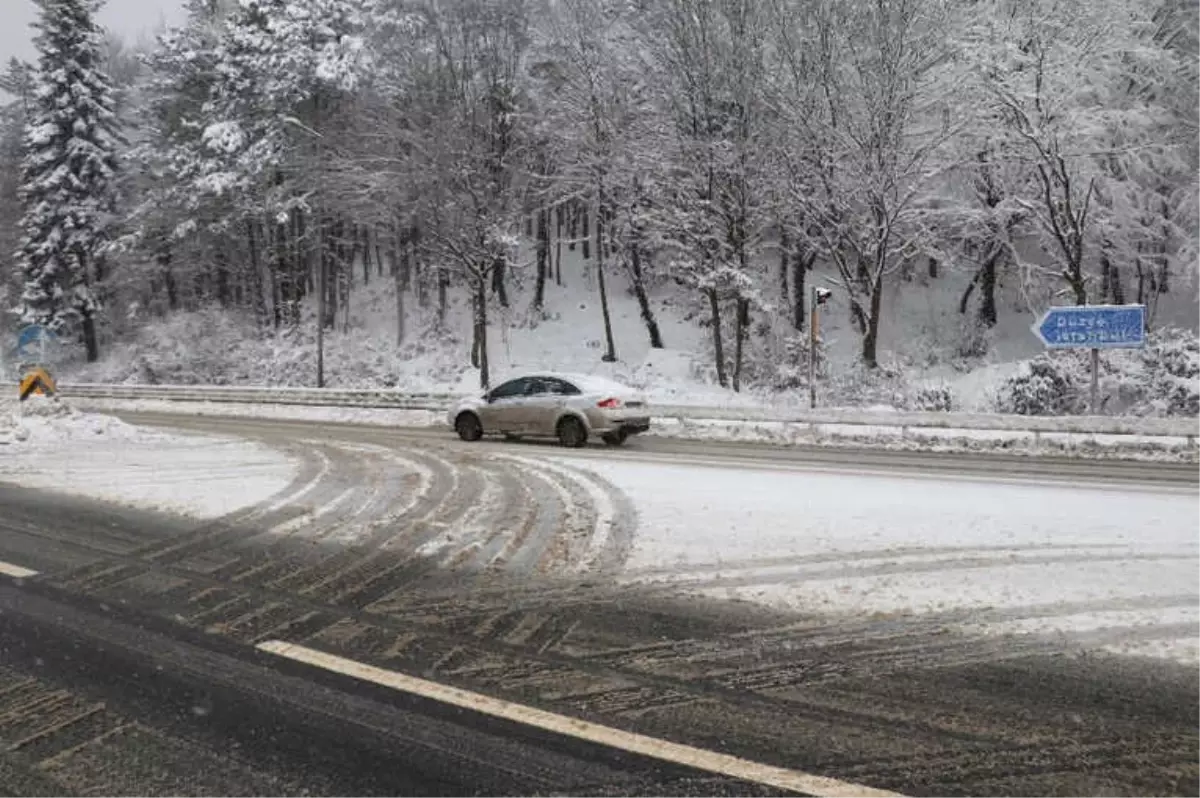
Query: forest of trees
(270, 151)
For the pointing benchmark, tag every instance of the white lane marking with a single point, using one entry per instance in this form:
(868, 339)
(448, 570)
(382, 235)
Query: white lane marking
(662, 750)
(16, 571)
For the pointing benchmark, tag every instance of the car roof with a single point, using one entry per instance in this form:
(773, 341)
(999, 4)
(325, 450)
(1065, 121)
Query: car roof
(587, 382)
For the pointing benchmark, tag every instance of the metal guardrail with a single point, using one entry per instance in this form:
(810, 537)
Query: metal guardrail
(390, 399)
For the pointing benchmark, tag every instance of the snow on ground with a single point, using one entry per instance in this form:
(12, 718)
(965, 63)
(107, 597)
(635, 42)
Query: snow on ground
(1111, 569)
(47, 444)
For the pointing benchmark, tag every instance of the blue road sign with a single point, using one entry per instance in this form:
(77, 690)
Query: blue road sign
(1093, 327)
(32, 340)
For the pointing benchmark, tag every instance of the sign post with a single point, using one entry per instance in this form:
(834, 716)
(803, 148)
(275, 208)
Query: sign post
(1093, 327)
(819, 297)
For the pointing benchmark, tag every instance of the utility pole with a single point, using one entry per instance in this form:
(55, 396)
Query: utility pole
(320, 299)
(819, 297)
(321, 254)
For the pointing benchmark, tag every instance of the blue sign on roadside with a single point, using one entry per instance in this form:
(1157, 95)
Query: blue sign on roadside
(32, 341)
(1093, 327)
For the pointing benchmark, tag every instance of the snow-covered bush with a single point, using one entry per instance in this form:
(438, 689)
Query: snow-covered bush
(1042, 387)
(778, 362)
(859, 386)
(933, 398)
(1172, 362)
(1163, 379)
(974, 339)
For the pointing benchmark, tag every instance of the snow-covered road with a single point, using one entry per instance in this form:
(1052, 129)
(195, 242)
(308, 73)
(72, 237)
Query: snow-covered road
(1092, 567)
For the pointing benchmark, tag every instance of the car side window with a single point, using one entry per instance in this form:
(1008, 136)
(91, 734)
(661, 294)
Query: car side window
(561, 388)
(508, 390)
(535, 386)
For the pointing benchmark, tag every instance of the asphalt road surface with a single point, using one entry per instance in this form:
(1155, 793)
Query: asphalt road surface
(136, 649)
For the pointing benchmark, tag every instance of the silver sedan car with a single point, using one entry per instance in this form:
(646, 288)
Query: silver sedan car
(570, 407)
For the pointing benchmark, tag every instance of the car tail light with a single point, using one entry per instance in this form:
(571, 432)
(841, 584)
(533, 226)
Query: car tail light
(608, 404)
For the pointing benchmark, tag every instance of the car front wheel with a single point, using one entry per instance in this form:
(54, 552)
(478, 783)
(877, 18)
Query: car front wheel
(468, 427)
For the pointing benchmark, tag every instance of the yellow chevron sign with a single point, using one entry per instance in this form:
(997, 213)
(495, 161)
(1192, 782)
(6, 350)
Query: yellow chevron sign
(37, 381)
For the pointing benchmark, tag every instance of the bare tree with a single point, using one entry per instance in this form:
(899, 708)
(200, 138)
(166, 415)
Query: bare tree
(867, 92)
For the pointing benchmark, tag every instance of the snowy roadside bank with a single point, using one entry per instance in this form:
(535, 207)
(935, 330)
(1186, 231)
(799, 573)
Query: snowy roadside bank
(54, 446)
(781, 433)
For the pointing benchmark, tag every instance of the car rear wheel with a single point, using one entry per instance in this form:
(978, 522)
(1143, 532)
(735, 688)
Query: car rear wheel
(468, 427)
(615, 438)
(571, 433)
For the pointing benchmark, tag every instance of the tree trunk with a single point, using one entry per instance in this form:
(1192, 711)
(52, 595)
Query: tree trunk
(800, 266)
(558, 236)
(639, 291)
(871, 334)
(277, 289)
(90, 342)
(474, 329)
(543, 257)
(784, 251)
(718, 345)
(366, 251)
(301, 279)
(331, 274)
(443, 283)
(585, 223)
(260, 293)
(163, 257)
(1073, 274)
(283, 265)
(298, 280)
(987, 289)
(1110, 280)
(399, 283)
(743, 319)
(479, 345)
(222, 275)
(499, 269)
(610, 351)
(985, 280)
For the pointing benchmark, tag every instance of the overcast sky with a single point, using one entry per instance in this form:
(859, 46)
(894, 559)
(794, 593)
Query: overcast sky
(129, 18)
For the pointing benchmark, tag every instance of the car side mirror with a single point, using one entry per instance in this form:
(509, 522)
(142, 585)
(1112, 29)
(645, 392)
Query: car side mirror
(487, 397)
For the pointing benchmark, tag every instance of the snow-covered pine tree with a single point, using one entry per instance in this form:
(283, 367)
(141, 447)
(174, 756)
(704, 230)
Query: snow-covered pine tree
(67, 173)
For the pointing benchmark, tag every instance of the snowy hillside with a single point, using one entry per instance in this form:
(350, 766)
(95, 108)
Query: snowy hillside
(921, 338)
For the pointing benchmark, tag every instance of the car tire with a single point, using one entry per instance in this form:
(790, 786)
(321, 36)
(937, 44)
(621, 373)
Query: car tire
(571, 433)
(468, 427)
(615, 438)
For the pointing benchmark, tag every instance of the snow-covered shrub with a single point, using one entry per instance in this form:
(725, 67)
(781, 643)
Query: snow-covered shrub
(1163, 379)
(974, 339)
(779, 362)
(859, 386)
(1172, 364)
(933, 398)
(1042, 387)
